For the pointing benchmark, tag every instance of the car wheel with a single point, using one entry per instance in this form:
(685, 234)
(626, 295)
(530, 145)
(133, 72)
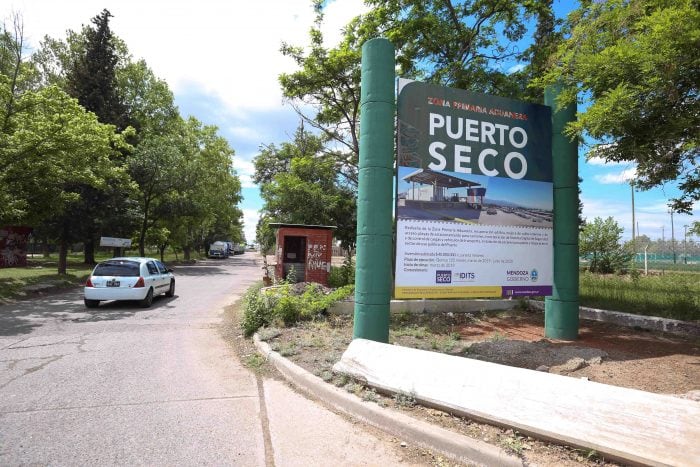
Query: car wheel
(91, 303)
(171, 290)
(146, 302)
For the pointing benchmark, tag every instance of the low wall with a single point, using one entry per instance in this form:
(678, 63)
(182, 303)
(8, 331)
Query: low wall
(434, 306)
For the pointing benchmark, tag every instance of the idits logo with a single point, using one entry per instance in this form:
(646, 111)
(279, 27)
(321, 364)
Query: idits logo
(534, 275)
(443, 277)
(463, 277)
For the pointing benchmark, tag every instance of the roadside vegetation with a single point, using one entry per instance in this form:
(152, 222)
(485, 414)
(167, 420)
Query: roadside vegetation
(287, 304)
(672, 295)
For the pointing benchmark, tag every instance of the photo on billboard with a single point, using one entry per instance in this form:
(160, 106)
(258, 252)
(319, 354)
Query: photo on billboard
(474, 195)
(473, 199)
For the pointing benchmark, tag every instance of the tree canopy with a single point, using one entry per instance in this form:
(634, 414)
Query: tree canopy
(299, 185)
(92, 143)
(635, 63)
(600, 242)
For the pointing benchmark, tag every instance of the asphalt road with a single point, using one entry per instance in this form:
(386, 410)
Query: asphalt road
(123, 385)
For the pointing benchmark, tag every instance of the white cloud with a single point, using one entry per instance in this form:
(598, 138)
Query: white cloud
(601, 161)
(250, 220)
(245, 169)
(337, 14)
(228, 49)
(619, 177)
(515, 68)
(651, 215)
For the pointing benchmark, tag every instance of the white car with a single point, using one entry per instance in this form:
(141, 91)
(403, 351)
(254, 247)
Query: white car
(129, 279)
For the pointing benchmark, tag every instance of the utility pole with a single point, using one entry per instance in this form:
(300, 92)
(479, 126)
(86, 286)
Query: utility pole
(673, 239)
(663, 244)
(634, 244)
(685, 244)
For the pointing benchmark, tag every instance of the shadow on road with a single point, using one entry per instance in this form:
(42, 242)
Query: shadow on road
(25, 316)
(214, 266)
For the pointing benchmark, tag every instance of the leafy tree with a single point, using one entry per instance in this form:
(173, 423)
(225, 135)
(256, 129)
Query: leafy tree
(205, 201)
(91, 78)
(154, 166)
(456, 43)
(149, 102)
(328, 81)
(307, 192)
(637, 63)
(52, 149)
(694, 229)
(600, 240)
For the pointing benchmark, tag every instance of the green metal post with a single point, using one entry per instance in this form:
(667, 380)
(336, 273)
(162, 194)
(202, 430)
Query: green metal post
(374, 196)
(561, 309)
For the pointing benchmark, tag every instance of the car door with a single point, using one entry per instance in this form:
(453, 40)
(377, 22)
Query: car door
(164, 275)
(154, 278)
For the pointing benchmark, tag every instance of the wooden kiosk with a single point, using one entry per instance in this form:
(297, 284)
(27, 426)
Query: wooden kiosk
(304, 249)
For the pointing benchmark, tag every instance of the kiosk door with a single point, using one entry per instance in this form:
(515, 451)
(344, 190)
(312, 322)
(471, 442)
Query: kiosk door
(294, 257)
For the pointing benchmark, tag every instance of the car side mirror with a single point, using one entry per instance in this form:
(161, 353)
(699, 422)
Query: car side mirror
(169, 269)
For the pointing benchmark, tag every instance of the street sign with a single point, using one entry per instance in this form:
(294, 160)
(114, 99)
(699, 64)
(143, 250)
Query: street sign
(115, 242)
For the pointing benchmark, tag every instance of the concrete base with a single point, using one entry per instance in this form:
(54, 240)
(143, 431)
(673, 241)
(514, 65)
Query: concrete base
(434, 306)
(651, 323)
(624, 424)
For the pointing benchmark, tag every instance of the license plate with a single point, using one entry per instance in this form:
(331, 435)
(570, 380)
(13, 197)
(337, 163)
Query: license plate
(112, 283)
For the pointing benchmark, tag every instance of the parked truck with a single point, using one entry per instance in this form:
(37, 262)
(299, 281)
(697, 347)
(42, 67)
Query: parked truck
(218, 250)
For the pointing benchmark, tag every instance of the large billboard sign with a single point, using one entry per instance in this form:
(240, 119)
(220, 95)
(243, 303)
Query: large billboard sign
(474, 195)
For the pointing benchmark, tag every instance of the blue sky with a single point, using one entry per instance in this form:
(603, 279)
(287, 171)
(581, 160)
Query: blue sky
(222, 60)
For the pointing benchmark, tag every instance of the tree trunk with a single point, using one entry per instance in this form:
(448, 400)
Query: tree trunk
(186, 253)
(89, 253)
(62, 256)
(142, 240)
(162, 251)
(45, 248)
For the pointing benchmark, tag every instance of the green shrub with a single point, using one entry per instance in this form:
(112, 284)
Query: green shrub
(256, 312)
(281, 304)
(342, 275)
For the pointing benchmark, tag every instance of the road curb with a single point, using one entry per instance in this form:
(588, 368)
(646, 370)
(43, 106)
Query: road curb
(455, 446)
(651, 323)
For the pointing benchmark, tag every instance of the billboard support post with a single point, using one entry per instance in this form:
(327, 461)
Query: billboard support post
(562, 308)
(373, 275)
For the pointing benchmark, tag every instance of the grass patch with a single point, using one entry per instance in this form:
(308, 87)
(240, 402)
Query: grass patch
(44, 270)
(254, 361)
(672, 295)
(14, 281)
(403, 399)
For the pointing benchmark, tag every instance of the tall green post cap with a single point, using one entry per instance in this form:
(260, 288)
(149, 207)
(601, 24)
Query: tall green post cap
(377, 71)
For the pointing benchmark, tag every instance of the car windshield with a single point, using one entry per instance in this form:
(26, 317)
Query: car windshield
(117, 268)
